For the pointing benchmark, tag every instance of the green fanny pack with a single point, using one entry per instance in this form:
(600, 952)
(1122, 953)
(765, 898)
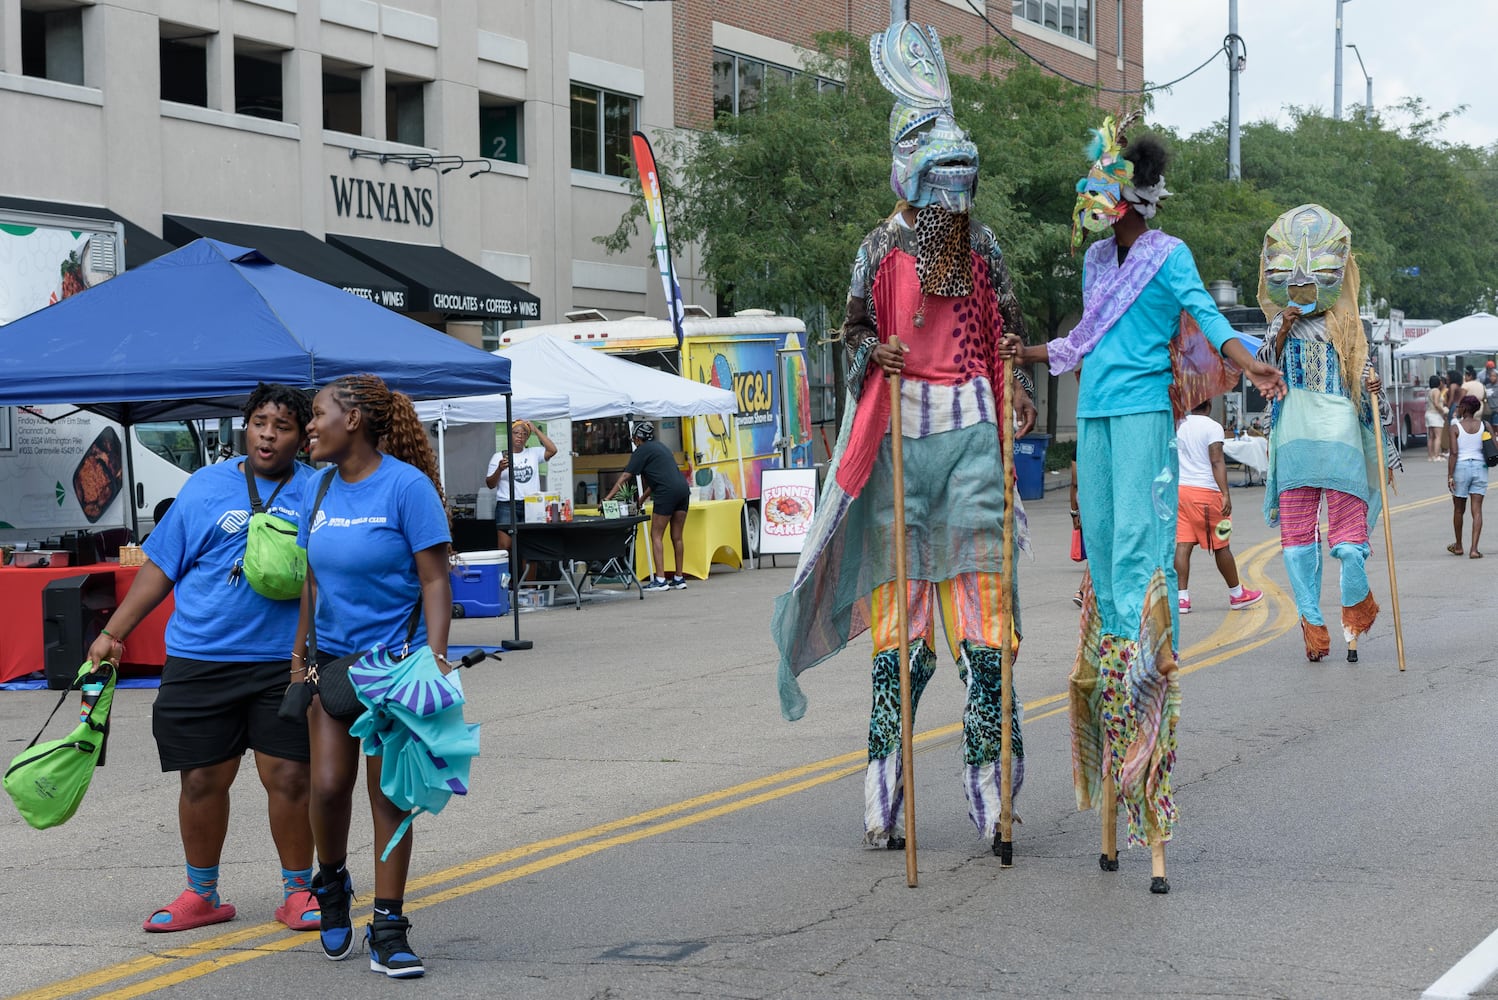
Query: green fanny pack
(274, 564)
(47, 781)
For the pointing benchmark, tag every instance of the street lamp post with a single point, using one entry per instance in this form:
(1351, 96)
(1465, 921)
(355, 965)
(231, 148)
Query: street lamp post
(1367, 101)
(1337, 71)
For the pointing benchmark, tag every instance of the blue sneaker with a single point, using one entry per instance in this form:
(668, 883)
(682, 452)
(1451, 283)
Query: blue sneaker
(678, 583)
(389, 951)
(656, 583)
(335, 929)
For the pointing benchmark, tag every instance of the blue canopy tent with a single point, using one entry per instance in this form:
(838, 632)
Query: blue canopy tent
(191, 334)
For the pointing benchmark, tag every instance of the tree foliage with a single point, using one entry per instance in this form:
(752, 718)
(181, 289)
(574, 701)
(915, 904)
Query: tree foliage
(779, 199)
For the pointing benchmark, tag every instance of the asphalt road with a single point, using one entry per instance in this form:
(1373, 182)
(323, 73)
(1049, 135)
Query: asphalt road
(644, 824)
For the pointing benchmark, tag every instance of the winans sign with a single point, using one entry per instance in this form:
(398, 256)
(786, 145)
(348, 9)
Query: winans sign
(357, 198)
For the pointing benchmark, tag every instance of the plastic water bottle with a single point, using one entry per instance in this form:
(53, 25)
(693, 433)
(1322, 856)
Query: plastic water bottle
(92, 689)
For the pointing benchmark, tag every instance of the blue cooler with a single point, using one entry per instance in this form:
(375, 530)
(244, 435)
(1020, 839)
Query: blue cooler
(1029, 465)
(481, 584)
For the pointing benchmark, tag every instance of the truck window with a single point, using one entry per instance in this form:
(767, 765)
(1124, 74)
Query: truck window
(173, 440)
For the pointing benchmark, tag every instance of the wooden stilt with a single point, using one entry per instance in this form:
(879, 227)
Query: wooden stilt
(1383, 495)
(1158, 883)
(1108, 860)
(902, 620)
(1352, 650)
(1005, 838)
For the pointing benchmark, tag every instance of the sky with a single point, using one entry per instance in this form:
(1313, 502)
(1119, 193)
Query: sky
(1444, 54)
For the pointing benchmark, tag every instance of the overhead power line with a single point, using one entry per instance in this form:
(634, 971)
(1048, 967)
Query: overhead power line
(1224, 49)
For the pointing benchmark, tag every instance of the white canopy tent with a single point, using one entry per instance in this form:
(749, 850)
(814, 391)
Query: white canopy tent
(557, 379)
(594, 383)
(1475, 334)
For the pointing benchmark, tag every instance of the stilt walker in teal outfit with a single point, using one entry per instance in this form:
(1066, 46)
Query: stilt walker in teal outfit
(1144, 310)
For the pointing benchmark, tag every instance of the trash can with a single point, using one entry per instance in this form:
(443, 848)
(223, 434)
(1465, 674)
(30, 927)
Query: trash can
(1029, 465)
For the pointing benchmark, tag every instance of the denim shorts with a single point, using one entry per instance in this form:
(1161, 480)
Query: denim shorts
(1471, 477)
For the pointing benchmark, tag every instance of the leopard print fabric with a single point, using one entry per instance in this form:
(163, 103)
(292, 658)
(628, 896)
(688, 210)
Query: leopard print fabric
(884, 720)
(943, 260)
(982, 719)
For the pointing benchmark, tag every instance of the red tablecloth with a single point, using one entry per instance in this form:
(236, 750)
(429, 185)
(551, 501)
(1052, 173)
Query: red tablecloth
(21, 650)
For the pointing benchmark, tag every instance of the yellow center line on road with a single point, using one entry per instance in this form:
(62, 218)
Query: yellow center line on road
(1226, 642)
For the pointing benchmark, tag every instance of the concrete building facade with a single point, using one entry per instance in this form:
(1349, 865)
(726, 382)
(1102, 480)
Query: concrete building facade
(495, 130)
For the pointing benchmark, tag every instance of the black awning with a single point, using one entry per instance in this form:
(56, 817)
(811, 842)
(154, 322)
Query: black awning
(443, 282)
(140, 245)
(301, 252)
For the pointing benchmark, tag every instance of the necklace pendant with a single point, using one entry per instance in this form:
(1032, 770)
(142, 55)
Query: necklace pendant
(920, 320)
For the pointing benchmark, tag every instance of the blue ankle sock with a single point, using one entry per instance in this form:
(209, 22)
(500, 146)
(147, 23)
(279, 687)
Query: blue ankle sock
(204, 882)
(295, 880)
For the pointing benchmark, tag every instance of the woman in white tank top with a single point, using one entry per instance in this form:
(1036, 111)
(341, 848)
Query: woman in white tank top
(1467, 472)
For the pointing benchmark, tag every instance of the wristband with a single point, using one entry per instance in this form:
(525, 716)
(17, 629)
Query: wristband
(117, 638)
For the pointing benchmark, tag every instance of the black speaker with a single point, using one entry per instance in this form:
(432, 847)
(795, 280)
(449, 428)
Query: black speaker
(74, 609)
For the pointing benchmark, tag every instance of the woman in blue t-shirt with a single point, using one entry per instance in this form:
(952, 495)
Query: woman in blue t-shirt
(376, 548)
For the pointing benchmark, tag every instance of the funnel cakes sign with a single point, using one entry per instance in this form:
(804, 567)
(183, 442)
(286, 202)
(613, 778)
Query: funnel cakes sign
(788, 498)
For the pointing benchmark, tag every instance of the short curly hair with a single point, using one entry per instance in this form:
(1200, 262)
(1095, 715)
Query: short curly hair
(298, 402)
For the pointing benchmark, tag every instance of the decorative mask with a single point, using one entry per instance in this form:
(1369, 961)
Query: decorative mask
(1108, 190)
(1308, 249)
(1100, 194)
(935, 162)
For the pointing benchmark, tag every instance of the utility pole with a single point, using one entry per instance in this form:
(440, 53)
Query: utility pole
(1337, 72)
(1235, 66)
(1367, 101)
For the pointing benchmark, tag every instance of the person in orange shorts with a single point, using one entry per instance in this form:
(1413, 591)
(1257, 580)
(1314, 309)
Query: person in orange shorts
(1205, 507)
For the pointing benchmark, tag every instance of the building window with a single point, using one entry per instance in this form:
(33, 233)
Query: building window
(740, 84)
(601, 126)
(405, 110)
(342, 97)
(258, 81)
(52, 42)
(1072, 18)
(184, 64)
(501, 129)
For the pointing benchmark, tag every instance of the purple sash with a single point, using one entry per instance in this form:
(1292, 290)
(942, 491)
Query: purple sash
(1109, 294)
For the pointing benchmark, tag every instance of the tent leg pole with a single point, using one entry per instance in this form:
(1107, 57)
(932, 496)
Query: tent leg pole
(517, 642)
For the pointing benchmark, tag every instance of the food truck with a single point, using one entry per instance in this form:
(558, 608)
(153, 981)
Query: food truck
(62, 468)
(756, 354)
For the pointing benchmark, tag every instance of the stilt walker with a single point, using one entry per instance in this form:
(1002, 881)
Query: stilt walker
(1153, 342)
(1326, 440)
(929, 300)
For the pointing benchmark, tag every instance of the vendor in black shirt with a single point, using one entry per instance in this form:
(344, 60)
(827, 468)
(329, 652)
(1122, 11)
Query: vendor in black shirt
(654, 462)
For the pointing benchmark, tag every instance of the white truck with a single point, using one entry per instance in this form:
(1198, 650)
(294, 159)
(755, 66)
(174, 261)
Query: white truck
(63, 468)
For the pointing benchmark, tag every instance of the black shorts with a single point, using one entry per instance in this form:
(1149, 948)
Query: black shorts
(208, 712)
(665, 506)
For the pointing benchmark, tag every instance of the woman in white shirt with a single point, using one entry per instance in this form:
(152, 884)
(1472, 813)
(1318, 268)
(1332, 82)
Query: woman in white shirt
(527, 461)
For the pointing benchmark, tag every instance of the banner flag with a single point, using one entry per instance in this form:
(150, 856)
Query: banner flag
(655, 211)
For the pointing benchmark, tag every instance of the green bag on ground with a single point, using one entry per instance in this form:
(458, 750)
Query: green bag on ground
(47, 781)
(274, 564)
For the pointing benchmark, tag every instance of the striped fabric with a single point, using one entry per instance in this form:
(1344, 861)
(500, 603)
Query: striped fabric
(970, 607)
(1300, 508)
(928, 408)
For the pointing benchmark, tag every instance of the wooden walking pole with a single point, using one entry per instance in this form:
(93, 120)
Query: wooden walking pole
(1005, 837)
(1383, 497)
(902, 621)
